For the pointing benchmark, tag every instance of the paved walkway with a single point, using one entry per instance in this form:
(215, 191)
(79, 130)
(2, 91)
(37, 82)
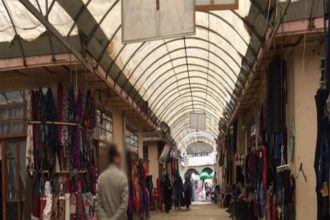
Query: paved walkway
(199, 211)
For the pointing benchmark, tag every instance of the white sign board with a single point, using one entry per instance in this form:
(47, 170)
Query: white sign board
(207, 5)
(198, 121)
(157, 19)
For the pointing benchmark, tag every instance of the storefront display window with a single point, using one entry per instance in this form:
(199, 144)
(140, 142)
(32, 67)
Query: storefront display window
(15, 172)
(131, 139)
(12, 142)
(146, 152)
(12, 114)
(103, 130)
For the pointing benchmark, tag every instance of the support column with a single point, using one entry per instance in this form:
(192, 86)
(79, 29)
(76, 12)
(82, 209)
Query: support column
(301, 102)
(153, 161)
(118, 119)
(140, 142)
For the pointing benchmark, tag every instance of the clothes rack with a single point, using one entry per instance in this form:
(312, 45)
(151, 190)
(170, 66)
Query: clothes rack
(283, 167)
(63, 123)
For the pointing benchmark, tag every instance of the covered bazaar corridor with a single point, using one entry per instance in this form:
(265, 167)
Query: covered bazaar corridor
(138, 109)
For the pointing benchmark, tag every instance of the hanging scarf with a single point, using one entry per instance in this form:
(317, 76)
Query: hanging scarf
(61, 150)
(51, 131)
(88, 203)
(65, 137)
(29, 138)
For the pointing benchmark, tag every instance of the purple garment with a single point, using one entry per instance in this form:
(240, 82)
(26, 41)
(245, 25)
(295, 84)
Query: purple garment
(76, 148)
(252, 170)
(80, 107)
(81, 215)
(130, 202)
(145, 206)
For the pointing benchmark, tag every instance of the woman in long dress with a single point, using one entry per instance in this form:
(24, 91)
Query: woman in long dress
(187, 192)
(167, 193)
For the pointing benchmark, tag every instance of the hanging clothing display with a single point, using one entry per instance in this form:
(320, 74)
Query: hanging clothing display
(239, 162)
(263, 178)
(61, 153)
(139, 196)
(322, 151)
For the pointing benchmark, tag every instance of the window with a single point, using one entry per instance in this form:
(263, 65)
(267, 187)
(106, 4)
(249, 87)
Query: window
(14, 176)
(131, 140)
(145, 152)
(204, 154)
(12, 113)
(103, 129)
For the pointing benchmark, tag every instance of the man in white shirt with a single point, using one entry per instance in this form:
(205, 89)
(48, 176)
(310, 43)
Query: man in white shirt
(112, 189)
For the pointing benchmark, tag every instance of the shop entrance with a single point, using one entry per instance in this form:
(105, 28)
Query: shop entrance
(13, 173)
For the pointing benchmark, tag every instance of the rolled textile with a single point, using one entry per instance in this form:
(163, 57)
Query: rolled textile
(67, 206)
(47, 212)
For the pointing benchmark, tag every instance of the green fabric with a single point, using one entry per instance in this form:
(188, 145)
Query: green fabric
(205, 175)
(162, 176)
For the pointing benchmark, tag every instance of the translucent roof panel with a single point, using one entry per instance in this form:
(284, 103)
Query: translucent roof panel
(183, 75)
(14, 17)
(196, 73)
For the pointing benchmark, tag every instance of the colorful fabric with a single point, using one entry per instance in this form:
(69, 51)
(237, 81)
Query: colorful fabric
(73, 206)
(88, 203)
(61, 208)
(53, 147)
(67, 206)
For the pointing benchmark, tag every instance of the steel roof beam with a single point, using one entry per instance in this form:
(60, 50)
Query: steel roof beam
(190, 57)
(15, 31)
(183, 48)
(198, 86)
(199, 26)
(182, 109)
(198, 58)
(191, 64)
(173, 106)
(77, 16)
(170, 93)
(48, 34)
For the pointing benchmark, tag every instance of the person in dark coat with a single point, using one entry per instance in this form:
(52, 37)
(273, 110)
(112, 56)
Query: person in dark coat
(178, 190)
(187, 192)
(167, 193)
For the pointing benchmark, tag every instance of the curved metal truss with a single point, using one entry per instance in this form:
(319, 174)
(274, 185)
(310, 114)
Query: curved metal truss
(196, 136)
(202, 73)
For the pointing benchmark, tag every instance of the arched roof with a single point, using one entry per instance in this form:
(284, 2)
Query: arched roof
(196, 136)
(201, 73)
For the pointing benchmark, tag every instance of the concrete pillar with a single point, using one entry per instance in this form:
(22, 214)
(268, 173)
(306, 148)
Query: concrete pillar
(153, 161)
(303, 85)
(140, 142)
(118, 119)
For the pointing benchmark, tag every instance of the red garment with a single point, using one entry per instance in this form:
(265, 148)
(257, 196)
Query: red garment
(80, 207)
(73, 206)
(268, 203)
(159, 202)
(255, 208)
(274, 214)
(42, 206)
(36, 206)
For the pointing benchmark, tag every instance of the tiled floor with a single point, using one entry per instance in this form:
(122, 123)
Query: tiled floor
(198, 211)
